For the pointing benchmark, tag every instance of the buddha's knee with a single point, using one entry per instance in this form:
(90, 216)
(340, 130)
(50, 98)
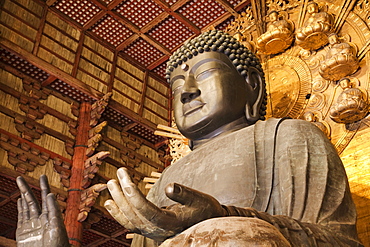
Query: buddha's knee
(229, 231)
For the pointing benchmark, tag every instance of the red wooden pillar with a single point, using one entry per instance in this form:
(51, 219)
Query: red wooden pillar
(74, 228)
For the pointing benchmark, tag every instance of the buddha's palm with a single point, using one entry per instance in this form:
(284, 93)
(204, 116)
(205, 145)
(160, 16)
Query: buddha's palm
(36, 227)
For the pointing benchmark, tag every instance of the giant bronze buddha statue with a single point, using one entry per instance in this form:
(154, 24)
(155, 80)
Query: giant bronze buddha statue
(247, 182)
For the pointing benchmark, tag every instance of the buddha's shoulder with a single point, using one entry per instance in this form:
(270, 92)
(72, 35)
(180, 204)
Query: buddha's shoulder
(290, 128)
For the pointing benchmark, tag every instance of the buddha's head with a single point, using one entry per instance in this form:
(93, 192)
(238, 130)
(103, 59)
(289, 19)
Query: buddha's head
(273, 15)
(345, 83)
(312, 7)
(333, 38)
(215, 82)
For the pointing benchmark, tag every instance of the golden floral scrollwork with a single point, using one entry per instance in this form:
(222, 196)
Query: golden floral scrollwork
(314, 119)
(340, 61)
(314, 33)
(278, 37)
(319, 85)
(351, 105)
(279, 5)
(362, 8)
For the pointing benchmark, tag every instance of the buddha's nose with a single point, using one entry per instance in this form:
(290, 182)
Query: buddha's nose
(189, 94)
(190, 90)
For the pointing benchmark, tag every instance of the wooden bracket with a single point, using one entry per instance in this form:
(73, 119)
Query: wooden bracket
(92, 165)
(88, 199)
(23, 155)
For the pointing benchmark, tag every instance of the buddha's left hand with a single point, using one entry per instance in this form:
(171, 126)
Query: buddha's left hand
(39, 227)
(132, 210)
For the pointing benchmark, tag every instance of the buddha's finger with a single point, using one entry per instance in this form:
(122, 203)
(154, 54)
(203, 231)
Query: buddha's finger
(25, 211)
(143, 208)
(120, 200)
(116, 213)
(190, 197)
(54, 214)
(20, 212)
(45, 190)
(29, 198)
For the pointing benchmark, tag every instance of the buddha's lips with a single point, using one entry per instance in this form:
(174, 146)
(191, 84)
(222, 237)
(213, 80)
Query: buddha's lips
(191, 107)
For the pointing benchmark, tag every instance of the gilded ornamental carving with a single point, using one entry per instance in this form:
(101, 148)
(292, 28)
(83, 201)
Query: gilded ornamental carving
(314, 33)
(279, 35)
(340, 60)
(351, 105)
(303, 77)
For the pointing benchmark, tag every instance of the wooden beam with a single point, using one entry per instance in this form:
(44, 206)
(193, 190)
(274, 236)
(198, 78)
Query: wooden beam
(143, 94)
(40, 105)
(158, 62)
(129, 126)
(242, 5)
(47, 130)
(7, 242)
(113, 72)
(127, 42)
(162, 16)
(131, 115)
(99, 4)
(157, 45)
(124, 21)
(40, 30)
(74, 83)
(179, 4)
(186, 22)
(49, 80)
(93, 20)
(118, 164)
(119, 232)
(73, 226)
(114, 4)
(122, 148)
(107, 237)
(78, 54)
(35, 183)
(217, 21)
(228, 7)
(38, 62)
(33, 145)
(50, 2)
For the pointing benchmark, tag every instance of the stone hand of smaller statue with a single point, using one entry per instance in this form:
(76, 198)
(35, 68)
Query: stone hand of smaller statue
(132, 210)
(39, 227)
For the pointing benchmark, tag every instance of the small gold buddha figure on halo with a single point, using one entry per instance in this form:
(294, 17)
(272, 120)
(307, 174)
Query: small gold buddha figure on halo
(314, 33)
(340, 61)
(278, 37)
(312, 118)
(351, 105)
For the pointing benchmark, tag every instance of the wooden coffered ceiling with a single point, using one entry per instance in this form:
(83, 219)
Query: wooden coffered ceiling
(143, 32)
(147, 31)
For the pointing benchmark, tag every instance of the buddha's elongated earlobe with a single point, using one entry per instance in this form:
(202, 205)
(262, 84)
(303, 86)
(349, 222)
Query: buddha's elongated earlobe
(254, 102)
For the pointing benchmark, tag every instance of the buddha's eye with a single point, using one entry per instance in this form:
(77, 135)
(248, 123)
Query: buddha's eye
(177, 86)
(205, 74)
(176, 90)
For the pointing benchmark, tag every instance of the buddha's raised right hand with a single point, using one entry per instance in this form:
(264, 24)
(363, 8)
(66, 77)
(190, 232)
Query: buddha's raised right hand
(132, 210)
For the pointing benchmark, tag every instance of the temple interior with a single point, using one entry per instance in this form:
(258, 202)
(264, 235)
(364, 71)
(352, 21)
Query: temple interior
(83, 85)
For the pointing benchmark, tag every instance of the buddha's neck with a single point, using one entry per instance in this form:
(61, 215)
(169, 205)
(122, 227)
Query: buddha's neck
(225, 129)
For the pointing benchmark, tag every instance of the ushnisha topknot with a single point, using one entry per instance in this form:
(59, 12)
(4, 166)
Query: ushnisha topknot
(216, 40)
(219, 41)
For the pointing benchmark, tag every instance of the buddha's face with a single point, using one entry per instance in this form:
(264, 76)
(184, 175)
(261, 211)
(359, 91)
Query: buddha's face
(312, 8)
(208, 93)
(333, 39)
(345, 83)
(273, 16)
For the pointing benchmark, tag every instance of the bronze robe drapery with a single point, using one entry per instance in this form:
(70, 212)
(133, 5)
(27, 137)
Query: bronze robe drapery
(282, 167)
